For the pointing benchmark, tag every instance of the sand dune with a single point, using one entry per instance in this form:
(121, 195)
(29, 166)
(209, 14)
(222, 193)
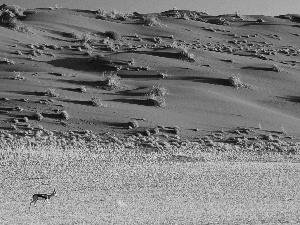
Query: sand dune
(200, 95)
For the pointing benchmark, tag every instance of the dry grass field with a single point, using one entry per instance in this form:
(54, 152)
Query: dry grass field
(177, 117)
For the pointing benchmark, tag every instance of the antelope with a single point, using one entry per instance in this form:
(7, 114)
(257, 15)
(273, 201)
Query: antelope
(44, 197)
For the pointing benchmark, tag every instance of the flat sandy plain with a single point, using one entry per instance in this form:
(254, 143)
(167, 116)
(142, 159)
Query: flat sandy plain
(217, 137)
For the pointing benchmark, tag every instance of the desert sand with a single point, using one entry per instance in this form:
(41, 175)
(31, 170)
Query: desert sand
(90, 97)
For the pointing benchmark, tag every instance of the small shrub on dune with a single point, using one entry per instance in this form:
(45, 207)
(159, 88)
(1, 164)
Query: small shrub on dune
(158, 91)
(155, 96)
(276, 68)
(64, 115)
(97, 102)
(151, 21)
(260, 20)
(38, 116)
(133, 124)
(88, 53)
(82, 89)
(236, 82)
(10, 20)
(155, 131)
(101, 14)
(19, 53)
(157, 40)
(18, 76)
(36, 52)
(75, 34)
(113, 35)
(86, 37)
(147, 133)
(7, 61)
(163, 75)
(184, 54)
(5, 16)
(51, 92)
(112, 80)
(19, 11)
(158, 101)
(104, 15)
(19, 109)
(177, 130)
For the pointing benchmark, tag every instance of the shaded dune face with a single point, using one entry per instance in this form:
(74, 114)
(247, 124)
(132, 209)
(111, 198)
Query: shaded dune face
(221, 72)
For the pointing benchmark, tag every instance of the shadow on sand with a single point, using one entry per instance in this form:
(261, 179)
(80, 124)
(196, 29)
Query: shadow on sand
(119, 125)
(295, 99)
(143, 102)
(257, 68)
(208, 80)
(79, 102)
(82, 64)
